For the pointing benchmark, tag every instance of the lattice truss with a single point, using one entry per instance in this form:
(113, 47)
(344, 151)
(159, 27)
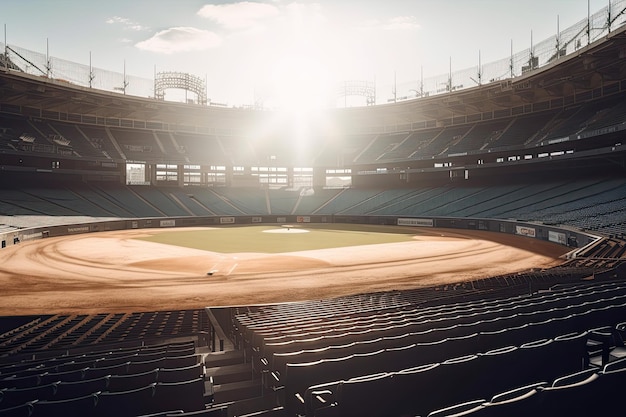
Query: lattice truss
(365, 89)
(180, 80)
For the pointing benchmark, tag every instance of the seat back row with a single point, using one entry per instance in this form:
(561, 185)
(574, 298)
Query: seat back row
(464, 377)
(479, 336)
(496, 319)
(267, 326)
(590, 392)
(62, 390)
(65, 361)
(153, 398)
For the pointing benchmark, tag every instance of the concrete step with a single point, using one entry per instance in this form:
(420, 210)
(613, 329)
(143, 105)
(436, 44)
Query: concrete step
(229, 357)
(230, 373)
(224, 393)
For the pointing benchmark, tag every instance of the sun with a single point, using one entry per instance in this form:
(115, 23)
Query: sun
(299, 96)
(300, 83)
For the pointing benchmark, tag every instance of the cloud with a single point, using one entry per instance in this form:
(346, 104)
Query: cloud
(180, 39)
(401, 23)
(126, 23)
(311, 13)
(398, 23)
(242, 15)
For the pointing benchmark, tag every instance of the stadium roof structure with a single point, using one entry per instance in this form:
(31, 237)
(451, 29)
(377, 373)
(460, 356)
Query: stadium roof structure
(590, 68)
(594, 66)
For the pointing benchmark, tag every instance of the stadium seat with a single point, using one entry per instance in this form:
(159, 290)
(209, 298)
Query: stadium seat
(611, 381)
(180, 361)
(600, 341)
(366, 396)
(542, 354)
(23, 410)
(462, 409)
(128, 382)
(418, 390)
(619, 338)
(127, 403)
(209, 412)
(460, 377)
(181, 374)
(173, 413)
(571, 395)
(20, 382)
(518, 402)
(75, 365)
(67, 376)
(84, 405)
(74, 389)
(120, 359)
(16, 396)
(119, 369)
(137, 367)
(496, 362)
(185, 395)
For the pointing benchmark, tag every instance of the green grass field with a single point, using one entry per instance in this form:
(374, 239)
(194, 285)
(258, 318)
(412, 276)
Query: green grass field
(233, 239)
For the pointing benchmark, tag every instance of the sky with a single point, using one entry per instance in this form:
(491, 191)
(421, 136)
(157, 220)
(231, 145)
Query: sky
(281, 53)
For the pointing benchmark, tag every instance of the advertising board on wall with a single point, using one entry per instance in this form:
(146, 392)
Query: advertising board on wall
(557, 237)
(415, 222)
(167, 223)
(34, 235)
(78, 229)
(525, 231)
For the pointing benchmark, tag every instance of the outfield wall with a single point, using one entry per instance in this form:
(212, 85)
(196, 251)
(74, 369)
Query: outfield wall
(572, 238)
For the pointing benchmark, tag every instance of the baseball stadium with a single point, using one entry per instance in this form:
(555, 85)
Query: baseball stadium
(460, 251)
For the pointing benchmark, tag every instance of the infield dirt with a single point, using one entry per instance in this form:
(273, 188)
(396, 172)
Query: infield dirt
(115, 272)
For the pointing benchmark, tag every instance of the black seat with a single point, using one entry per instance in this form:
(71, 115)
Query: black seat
(180, 361)
(571, 395)
(365, 396)
(67, 376)
(518, 402)
(127, 403)
(79, 406)
(20, 382)
(458, 409)
(118, 383)
(16, 396)
(23, 410)
(181, 374)
(185, 395)
(619, 334)
(209, 412)
(611, 382)
(118, 369)
(600, 341)
(497, 372)
(74, 389)
(419, 390)
(145, 366)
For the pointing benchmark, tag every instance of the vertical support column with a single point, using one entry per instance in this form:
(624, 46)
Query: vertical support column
(180, 176)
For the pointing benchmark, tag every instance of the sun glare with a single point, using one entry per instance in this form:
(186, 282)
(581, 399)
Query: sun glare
(297, 79)
(300, 84)
(299, 95)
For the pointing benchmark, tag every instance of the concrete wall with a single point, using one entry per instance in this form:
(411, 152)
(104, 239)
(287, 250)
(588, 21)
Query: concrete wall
(564, 236)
